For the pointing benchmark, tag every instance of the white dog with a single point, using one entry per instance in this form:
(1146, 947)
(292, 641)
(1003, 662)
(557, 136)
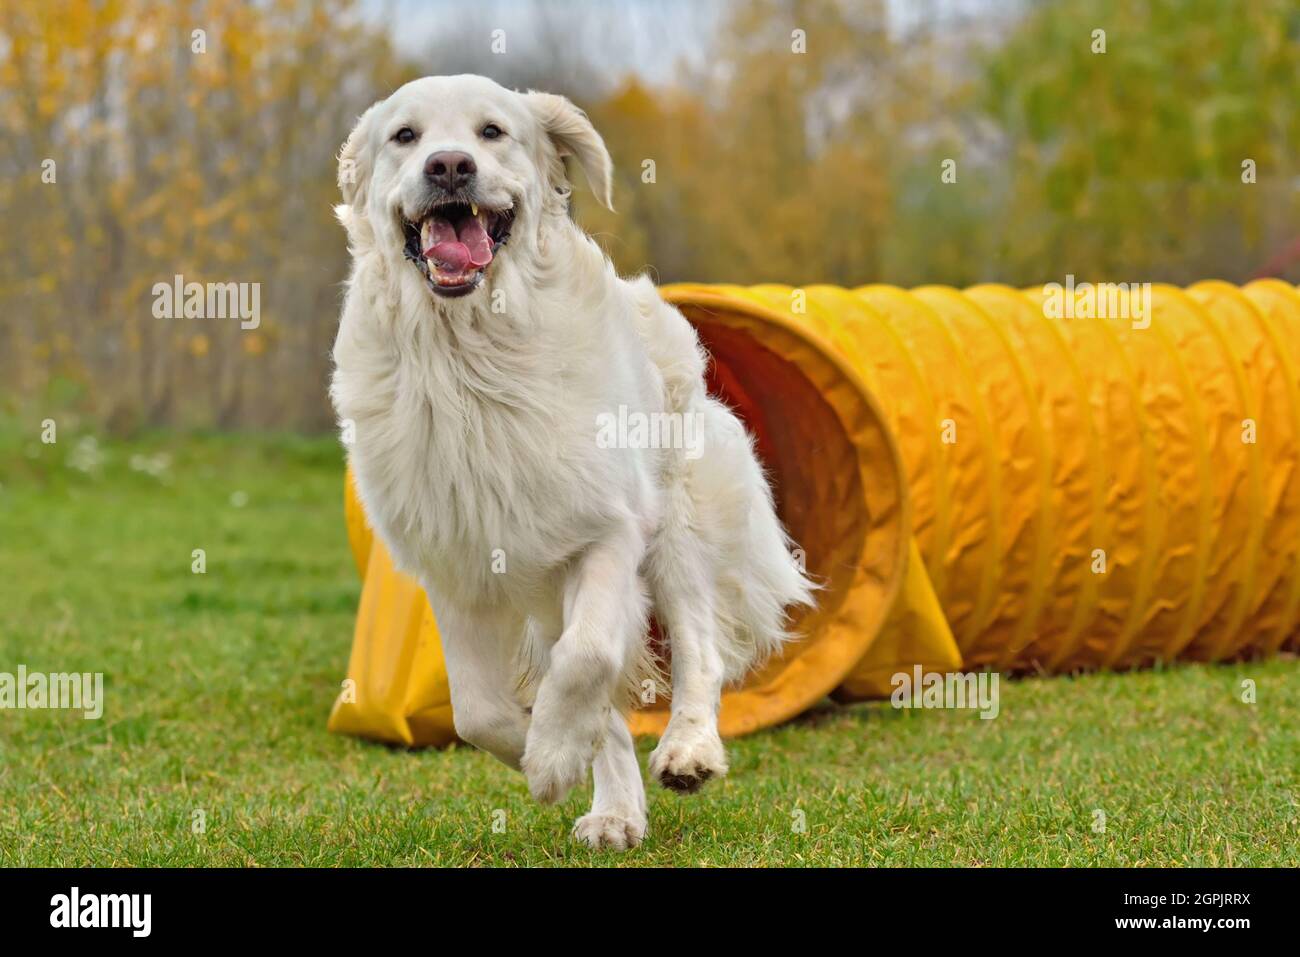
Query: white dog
(477, 373)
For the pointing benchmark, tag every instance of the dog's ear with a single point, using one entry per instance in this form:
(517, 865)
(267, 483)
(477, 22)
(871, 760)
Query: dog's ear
(573, 135)
(354, 162)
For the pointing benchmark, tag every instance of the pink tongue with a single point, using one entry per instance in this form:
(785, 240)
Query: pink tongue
(475, 238)
(452, 256)
(456, 247)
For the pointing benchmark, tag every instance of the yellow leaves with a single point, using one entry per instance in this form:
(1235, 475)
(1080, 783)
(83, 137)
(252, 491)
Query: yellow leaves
(254, 343)
(173, 162)
(230, 205)
(634, 102)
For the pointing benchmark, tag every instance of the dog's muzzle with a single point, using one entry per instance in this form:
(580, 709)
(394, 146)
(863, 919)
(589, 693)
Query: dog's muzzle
(454, 243)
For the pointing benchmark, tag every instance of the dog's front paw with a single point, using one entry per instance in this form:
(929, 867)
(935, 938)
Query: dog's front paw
(687, 756)
(617, 829)
(555, 766)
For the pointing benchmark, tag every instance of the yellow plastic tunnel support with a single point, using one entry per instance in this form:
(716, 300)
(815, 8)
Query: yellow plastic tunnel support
(988, 478)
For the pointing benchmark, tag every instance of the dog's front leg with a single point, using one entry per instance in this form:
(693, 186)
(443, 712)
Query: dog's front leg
(604, 615)
(481, 650)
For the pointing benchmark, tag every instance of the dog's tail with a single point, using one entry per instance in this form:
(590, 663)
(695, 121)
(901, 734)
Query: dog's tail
(775, 582)
(763, 578)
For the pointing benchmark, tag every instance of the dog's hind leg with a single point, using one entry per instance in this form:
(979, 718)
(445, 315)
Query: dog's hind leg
(690, 751)
(605, 611)
(617, 818)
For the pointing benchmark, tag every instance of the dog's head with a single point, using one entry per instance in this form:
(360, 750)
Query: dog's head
(449, 169)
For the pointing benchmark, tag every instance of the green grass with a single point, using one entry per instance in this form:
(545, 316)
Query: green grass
(218, 687)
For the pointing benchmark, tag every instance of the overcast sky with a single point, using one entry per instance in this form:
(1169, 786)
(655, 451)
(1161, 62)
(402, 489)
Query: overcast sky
(648, 37)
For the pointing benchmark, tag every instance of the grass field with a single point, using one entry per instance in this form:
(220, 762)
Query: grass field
(218, 687)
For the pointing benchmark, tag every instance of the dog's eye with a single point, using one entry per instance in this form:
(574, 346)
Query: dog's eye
(405, 135)
(491, 132)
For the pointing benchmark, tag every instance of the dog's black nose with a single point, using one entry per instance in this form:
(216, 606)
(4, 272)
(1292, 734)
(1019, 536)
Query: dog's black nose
(450, 170)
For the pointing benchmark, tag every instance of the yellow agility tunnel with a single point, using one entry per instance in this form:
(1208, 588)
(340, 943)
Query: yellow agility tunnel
(1047, 480)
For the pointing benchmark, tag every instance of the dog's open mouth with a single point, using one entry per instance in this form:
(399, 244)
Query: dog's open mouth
(454, 244)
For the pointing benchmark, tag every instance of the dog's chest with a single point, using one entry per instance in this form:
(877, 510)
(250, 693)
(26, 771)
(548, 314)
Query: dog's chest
(477, 475)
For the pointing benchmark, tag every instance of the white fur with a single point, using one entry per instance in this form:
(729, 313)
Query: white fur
(477, 459)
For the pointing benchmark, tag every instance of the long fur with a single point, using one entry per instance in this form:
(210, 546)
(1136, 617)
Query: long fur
(475, 419)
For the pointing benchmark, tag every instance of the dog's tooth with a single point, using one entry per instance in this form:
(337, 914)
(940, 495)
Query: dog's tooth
(473, 208)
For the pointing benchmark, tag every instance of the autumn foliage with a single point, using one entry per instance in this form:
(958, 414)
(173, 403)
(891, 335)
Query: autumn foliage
(144, 140)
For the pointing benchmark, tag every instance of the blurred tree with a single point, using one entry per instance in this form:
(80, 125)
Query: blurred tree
(805, 141)
(775, 167)
(193, 138)
(1127, 164)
